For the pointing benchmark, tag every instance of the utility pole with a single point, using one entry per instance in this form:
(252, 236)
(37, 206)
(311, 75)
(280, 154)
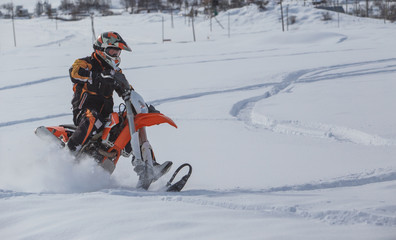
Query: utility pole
(163, 34)
(346, 1)
(229, 26)
(287, 17)
(163, 31)
(283, 24)
(13, 24)
(338, 15)
(173, 26)
(192, 21)
(367, 8)
(93, 29)
(210, 20)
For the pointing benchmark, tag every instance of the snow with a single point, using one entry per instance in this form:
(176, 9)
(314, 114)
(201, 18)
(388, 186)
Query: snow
(291, 135)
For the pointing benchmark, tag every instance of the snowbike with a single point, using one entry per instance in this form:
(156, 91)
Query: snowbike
(124, 135)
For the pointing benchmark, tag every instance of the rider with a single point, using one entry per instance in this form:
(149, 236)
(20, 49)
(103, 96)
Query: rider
(93, 89)
(93, 79)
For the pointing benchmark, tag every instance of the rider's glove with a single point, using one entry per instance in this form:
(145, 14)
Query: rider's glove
(121, 85)
(126, 95)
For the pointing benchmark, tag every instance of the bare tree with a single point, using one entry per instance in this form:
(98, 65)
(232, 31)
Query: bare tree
(48, 9)
(129, 4)
(9, 7)
(66, 5)
(39, 9)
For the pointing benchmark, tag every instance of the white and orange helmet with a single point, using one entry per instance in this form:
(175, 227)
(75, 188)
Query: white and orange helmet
(105, 42)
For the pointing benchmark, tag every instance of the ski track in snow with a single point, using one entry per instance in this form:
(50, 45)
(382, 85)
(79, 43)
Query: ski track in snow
(35, 119)
(225, 57)
(320, 130)
(197, 95)
(32, 83)
(67, 38)
(243, 110)
(352, 180)
(332, 214)
(338, 217)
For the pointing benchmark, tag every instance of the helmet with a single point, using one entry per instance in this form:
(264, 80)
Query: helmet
(109, 41)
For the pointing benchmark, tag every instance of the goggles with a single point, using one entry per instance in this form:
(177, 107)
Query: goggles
(113, 52)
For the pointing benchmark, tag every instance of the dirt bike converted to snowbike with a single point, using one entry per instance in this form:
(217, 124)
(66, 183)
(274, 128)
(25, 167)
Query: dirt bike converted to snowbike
(124, 135)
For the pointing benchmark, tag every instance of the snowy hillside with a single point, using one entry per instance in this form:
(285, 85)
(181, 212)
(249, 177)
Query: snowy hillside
(291, 134)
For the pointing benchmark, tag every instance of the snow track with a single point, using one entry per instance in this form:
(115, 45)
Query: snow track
(334, 216)
(57, 42)
(352, 180)
(306, 201)
(310, 203)
(35, 119)
(321, 130)
(243, 109)
(32, 83)
(197, 95)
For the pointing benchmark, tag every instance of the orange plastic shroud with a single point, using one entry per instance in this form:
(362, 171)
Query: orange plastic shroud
(141, 120)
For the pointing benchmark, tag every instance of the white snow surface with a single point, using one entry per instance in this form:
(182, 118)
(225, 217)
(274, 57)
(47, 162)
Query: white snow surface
(291, 135)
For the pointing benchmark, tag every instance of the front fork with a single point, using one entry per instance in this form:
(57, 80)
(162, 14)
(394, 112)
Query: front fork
(145, 147)
(141, 148)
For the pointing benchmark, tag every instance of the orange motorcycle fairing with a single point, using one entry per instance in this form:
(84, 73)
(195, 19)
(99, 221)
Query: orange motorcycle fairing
(59, 132)
(141, 120)
(150, 119)
(114, 120)
(122, 140)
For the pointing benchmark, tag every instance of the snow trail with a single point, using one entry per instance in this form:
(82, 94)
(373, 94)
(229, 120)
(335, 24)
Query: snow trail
(243, 110)
(32, 82)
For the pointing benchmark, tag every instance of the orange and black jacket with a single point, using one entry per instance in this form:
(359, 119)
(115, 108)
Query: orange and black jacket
(89, 91)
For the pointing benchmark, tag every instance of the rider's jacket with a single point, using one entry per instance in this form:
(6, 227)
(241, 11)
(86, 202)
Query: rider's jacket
(90, 90)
